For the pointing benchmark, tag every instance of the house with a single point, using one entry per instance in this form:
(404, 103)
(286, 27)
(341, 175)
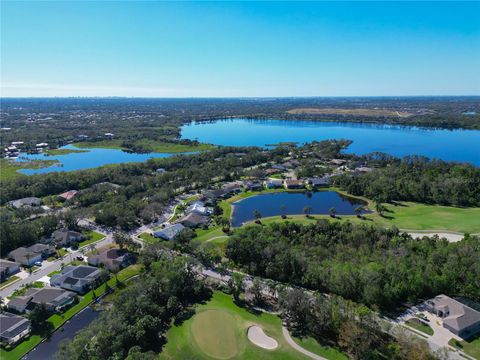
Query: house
(199, 208)
(363, 169)
(68, 195)
(160, 171)
(55, 299)
(253, 185)
(457, 317)
(77, 278)
(13, 328)
(109, 135)
(233, 187)
(279, 167)
(271, 171)
(213, 195)
(194, 220)
(8, 268)
(25, 202)
(112, 259)
(294, 184)
(273, 183)
(338, 162)
(65, 237)
(29, 256)
(320, 182)
(169, 232)
(41, 145)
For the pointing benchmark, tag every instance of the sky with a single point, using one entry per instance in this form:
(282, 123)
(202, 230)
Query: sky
(239, 49)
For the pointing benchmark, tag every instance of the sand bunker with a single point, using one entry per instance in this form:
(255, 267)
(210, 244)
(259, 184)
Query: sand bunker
(258, 337)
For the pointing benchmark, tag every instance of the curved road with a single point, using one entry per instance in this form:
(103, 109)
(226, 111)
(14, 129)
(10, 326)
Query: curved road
(297, 347)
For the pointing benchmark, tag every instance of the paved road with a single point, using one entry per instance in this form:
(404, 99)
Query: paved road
(51, 266)
(297, 347)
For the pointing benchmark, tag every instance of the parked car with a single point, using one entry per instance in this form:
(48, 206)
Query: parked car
(37, 263)
(80, 258)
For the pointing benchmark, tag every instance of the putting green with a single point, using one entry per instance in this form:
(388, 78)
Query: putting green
(214, 332)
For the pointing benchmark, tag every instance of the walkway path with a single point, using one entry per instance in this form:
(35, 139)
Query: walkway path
(217, 237)
(297, 347)
(451, 237)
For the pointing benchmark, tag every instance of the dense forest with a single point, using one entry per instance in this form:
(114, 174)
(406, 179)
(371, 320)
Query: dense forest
(374, 266)
(141, 314)
(60, 121)
(415, 178)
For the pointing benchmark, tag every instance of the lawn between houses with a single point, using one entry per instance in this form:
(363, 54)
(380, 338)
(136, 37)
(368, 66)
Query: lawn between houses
(57, 320)
(469, 346)
(218, 330)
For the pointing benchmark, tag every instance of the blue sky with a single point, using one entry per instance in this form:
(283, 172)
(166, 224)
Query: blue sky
(239, 49)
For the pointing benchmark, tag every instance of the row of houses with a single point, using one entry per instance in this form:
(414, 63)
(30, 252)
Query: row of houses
(297, 183)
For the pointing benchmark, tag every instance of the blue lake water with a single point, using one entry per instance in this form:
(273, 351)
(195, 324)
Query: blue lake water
(93, 158)
(47, 349)
(292, 203)
(451, 145)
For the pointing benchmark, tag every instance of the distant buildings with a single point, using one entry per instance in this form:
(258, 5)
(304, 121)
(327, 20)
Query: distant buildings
(13, 328)
(459, 318)
(68, 195)
(169, 232)
(25, 202)
(77, 278)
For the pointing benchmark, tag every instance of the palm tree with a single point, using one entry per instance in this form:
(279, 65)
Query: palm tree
(307, 210)
(379, 208)
(333, 212)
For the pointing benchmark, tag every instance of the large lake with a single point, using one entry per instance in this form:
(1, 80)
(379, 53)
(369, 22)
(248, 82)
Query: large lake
(292, 203)
(85, 160)
(452, 145)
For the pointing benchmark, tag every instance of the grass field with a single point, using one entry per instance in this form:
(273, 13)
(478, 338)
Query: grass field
(9, 170)
(10, 280)
(420, 326)
(92, 236)
(471, 346)
(53, 152)
(219, 331)
(58, 320)
(148, 238)
(326, 351)
(150, 145)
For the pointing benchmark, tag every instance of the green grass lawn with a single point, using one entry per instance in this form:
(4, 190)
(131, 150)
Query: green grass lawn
(148, 238)
(328, 352)
(58, 320)
(10, 280)
(62, 252)
(9, 170)
(420, 326)
(470, 346)
(150, 145)
(53, 152)
(218, 330)
(205, 235)
(92, 236)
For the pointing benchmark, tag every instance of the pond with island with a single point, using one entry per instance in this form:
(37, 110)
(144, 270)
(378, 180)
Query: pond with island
(293, 203)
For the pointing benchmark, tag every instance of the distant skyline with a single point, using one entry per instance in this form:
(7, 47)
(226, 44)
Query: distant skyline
(239, 49)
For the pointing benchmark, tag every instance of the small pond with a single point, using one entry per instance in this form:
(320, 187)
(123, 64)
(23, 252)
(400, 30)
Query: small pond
(47, 349)
(292, 203)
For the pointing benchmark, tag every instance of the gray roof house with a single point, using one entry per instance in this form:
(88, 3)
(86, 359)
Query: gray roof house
(112, 259)
(193, 220)
(64, 237)
(28, 256)
(77, 278)
(8, 268)
(13, 328)
(459, 318)
(273, 183)
(169, 232)
(55, 299)
(28, 201)
(199, 208)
